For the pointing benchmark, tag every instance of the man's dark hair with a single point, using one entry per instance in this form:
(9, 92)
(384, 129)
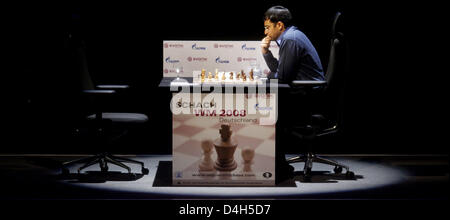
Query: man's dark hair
(279, 13)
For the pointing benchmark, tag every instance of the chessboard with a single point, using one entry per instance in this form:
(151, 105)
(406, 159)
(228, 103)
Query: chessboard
(227, 77)
(189, 132)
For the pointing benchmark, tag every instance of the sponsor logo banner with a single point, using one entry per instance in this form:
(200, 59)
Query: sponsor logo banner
(211, 55)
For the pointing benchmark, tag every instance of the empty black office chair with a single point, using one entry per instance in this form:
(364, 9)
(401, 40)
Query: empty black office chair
(330, 91)
(102, 124)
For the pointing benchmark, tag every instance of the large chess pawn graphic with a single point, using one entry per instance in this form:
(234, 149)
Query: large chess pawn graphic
(247, 156)
(225, 148)
(207, 163)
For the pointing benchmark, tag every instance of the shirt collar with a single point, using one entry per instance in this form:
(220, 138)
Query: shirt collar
(280, 38)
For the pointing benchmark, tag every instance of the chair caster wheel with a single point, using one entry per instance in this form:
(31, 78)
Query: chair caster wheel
(350, 175)
(104, 168)
(145, 171)
(337, 170)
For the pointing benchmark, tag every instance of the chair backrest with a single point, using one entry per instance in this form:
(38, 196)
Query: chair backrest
(85, 77)
(335, 47)
(80, 68)
(335, 73)
(77, 47)
(337, 20)
(333, 62)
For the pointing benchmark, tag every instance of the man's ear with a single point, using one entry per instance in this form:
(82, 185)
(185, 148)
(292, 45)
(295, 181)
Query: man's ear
(280, 25)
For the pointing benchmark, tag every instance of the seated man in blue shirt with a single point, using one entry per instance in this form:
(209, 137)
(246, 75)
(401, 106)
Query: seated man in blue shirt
(298, 60)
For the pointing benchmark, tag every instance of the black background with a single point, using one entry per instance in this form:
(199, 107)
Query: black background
(394, 90)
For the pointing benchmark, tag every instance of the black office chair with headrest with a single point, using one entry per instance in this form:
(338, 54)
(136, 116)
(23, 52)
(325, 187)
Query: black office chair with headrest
(106, 127)
(331, 91)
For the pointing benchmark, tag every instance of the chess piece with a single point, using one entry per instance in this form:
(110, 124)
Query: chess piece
(238, 76)
(203, 75)
(231, 75)
(247, 156)
(207, 163)
(224, 77)
(251, 75)
(225, 147)
(209, 75)
(216, 75)
(244, 77)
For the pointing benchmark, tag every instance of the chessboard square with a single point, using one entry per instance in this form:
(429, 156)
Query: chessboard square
(206, 134)
(202, 122)
(176, 124)
(266, 148)
(178, 140)
(181, 161)
(192, 168)
(186, 130)
(257, 131)
(273, 136)
(245, 141)
(263, 163)
(190, 147)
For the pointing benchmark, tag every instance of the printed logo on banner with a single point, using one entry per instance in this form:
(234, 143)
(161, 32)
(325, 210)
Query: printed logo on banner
(223, 46)
(257, 107)
(246, 59)
(210, 55)
(168, 60)
(203, 119)
(244, 47)
(174, 45)
(218, 60)
(166, 71)
(197, 59)
(195, 47)
(267, 174)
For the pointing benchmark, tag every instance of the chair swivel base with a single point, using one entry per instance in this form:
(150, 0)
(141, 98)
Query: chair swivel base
(311, 158)
(103, 159)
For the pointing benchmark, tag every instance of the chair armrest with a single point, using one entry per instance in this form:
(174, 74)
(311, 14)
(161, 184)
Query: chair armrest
(308, 83)
(112, 86)
(328, 131)
(98, 92)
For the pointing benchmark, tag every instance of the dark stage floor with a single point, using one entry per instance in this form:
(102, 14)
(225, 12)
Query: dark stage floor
(386, 177)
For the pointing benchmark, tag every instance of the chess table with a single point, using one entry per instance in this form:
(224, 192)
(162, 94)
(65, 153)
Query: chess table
(188, 132)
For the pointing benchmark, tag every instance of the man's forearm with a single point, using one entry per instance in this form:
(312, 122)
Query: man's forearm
(271, 62)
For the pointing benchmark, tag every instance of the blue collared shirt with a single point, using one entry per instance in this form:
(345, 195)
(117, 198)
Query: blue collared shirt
(298, 59)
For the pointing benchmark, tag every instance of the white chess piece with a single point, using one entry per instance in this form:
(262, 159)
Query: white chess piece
(207, 164)
(247, 155)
